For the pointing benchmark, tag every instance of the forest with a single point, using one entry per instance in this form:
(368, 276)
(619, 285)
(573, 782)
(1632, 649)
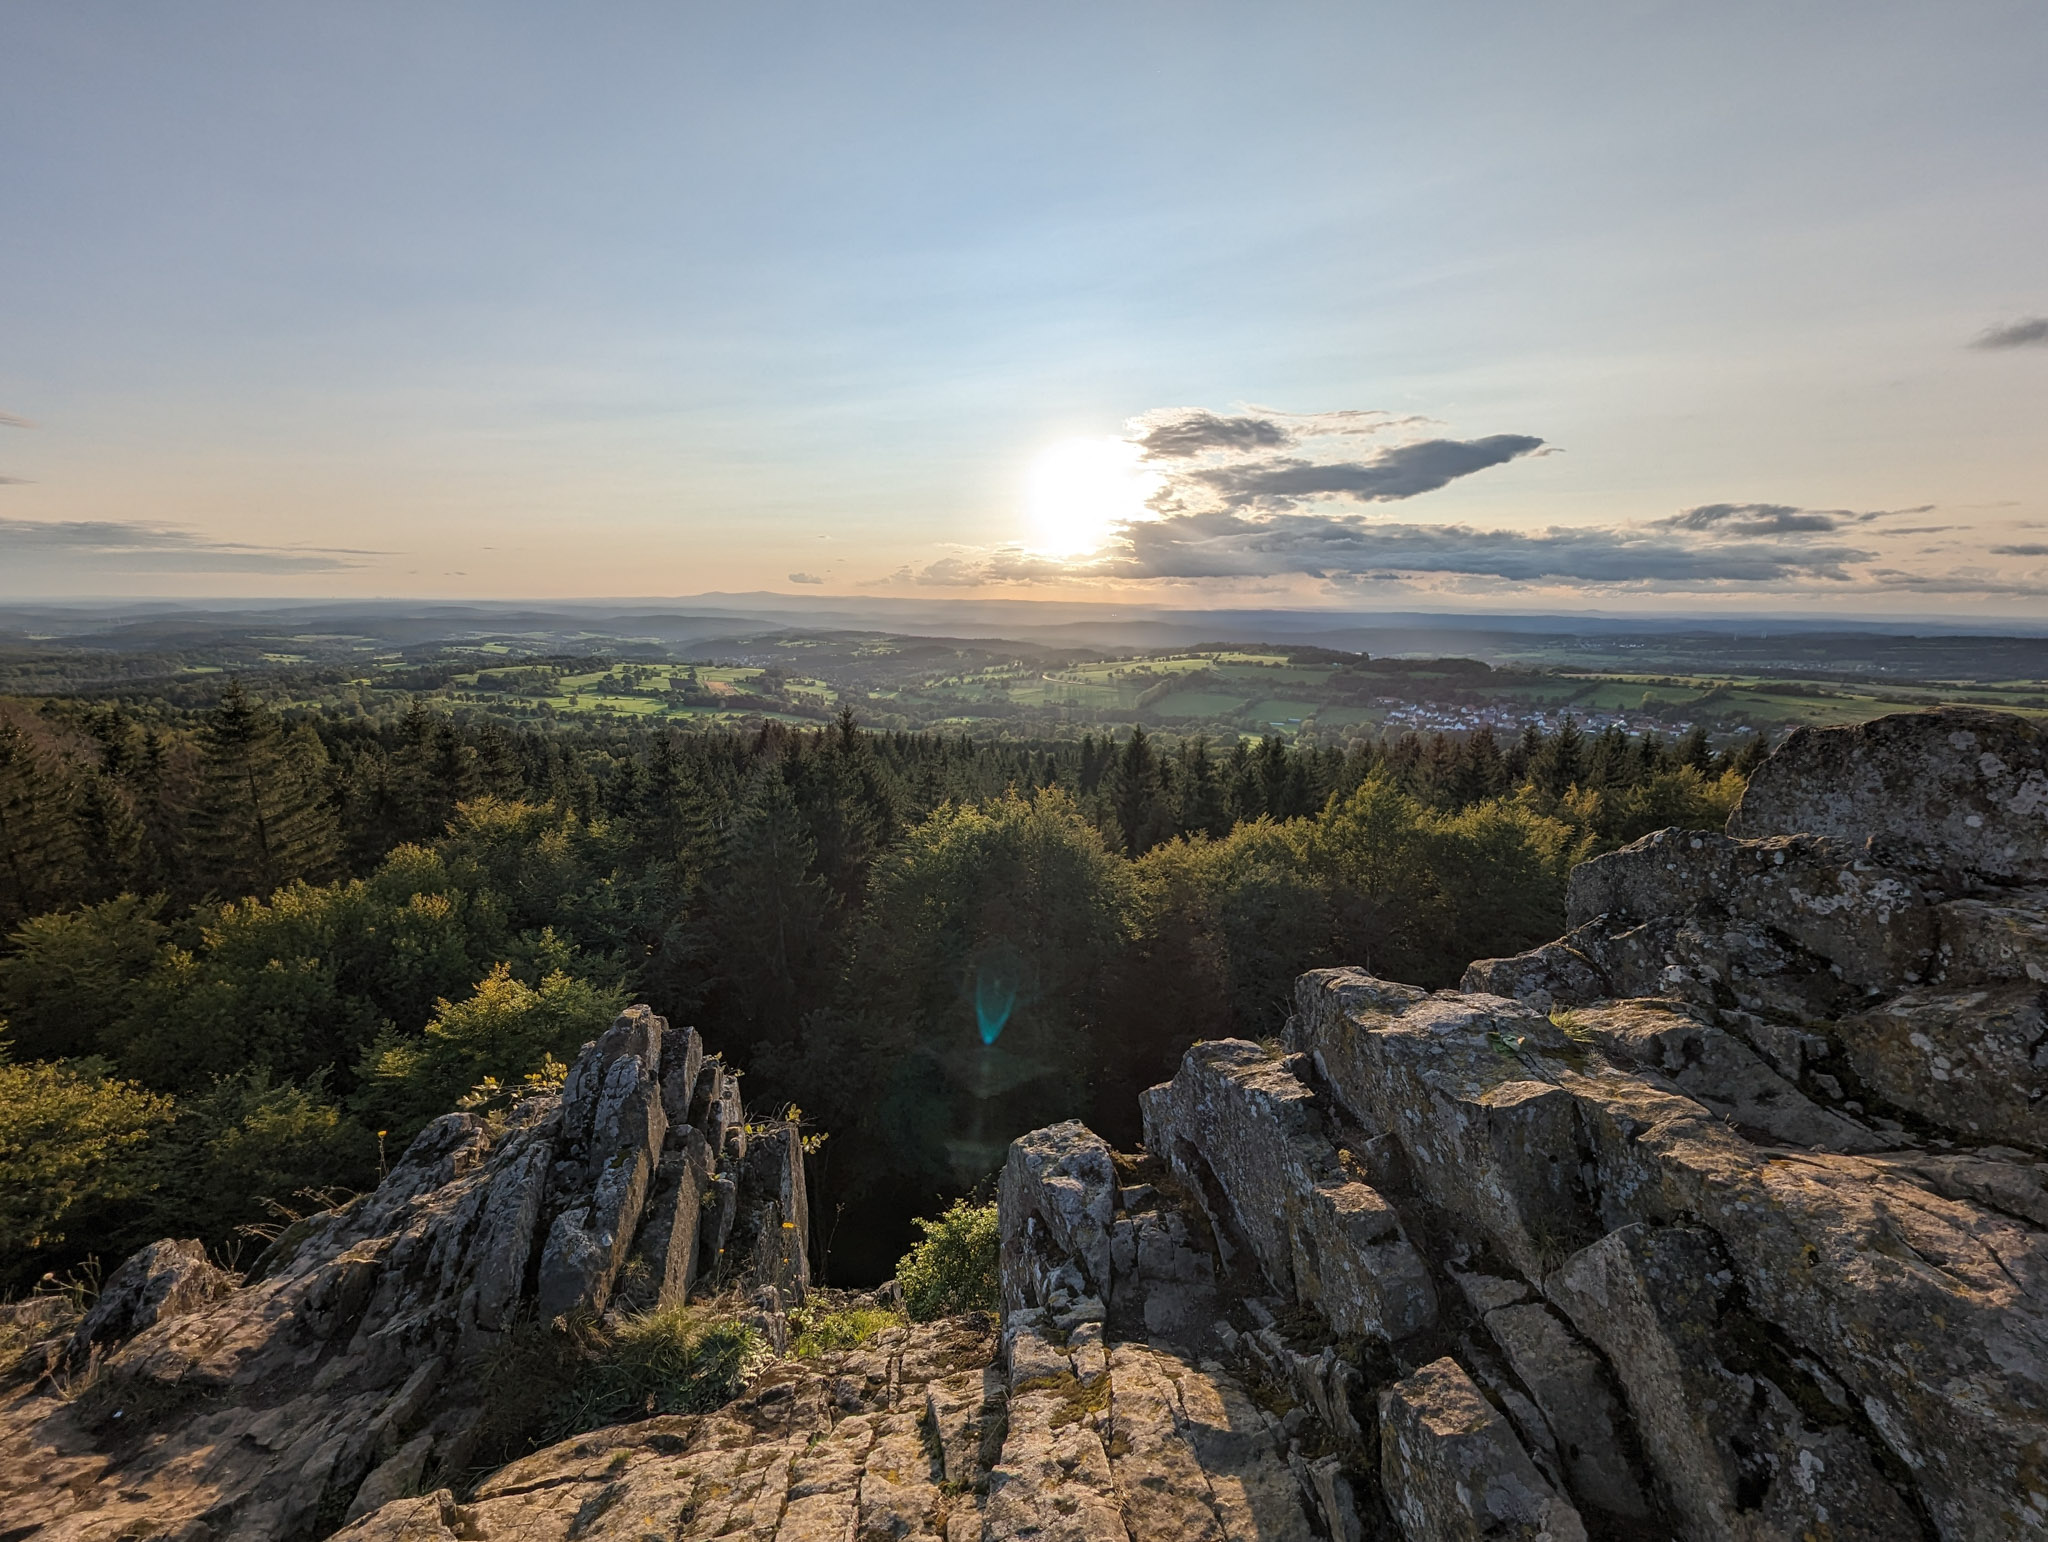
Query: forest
(250, 952)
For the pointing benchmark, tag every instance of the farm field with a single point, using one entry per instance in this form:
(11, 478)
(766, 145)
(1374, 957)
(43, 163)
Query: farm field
(985, 686)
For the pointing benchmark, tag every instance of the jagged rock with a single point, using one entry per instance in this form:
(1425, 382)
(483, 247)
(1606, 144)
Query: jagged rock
(1828, 1250)
(1714, 1397)
(1455, 1081)
(1164, 1278)
(773, 1231)
(1558, 973)
(1676, 1048)
(1871, 923)
(345, 1369)
(1954, 790)
(1570, 1386)
(1454, 1471)
(669, 1237)
(1058, 1201)
(1975, 1062)
(162, 1281)
(614, 1126)
(1244, 1131)
(1988, 941)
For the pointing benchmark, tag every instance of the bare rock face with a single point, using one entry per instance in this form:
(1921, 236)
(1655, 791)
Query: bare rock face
(1955, 791)
(1455, 1473)
(1723, 1217)
(345, 1368)
(817, 1451)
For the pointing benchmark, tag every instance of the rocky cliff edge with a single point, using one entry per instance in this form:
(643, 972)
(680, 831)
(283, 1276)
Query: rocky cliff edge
(1724, 1216)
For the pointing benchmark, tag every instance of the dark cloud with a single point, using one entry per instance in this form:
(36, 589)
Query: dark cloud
(2031, 549)
(1726, 519)
(164, 548)
(2027, 332)
(13, 420)
(1223, 545)
(1722, 521)
(805, 578)
(14, 481)
(1220, 545)
(1177, 435)
(1403, 471)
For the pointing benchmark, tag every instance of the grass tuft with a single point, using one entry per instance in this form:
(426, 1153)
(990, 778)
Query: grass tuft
(818, 1332)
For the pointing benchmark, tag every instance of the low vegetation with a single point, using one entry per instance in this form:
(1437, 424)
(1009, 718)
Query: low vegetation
(956, 1268)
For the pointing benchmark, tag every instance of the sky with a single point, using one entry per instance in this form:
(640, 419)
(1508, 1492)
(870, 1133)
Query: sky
(1627, 307)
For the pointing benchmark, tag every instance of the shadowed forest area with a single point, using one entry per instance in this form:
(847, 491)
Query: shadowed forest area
(248, 955)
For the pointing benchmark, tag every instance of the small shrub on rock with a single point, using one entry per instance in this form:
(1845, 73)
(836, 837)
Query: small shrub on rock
(956, 1267)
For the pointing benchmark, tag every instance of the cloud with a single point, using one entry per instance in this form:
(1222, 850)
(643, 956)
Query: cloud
(1179, 433)
(14, 482)
(1749, 519)
(2027, 332)
(1229, 545)
(164, 548)
(14, 420)
(1223, 545)
(1402, 471)
(1725, 520)
(2030, 549)
(805, 578)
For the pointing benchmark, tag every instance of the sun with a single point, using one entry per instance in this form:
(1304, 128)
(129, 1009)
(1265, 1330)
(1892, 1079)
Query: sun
(1080, 490)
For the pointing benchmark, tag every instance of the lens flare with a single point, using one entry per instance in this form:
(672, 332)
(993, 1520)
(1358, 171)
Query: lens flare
(995, 993)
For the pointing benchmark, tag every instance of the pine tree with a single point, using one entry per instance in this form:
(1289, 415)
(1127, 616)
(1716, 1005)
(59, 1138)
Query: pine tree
(1561, 764)
(263, 817)
(1694, 750)
(1138, 796)
(497, 765)
(769, 905)
(1755, 750)
(1482, 773)
(1204, 805)
(40, 854)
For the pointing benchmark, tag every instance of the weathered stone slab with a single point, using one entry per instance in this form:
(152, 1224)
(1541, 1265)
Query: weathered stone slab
(1870, 922)
(1244, 1132)
(1572, 1389)
(1714, 1407)
(1708, 1064)
(1956, 789)
(1975, 1062)
(1453, 1470)
(1056, 1204)
(1988, 941)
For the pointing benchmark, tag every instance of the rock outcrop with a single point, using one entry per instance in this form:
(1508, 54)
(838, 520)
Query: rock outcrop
(350, 1362)
(1724, 1218)
(1720, 1218)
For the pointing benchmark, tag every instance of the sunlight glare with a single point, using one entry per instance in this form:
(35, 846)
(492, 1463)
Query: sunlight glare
(1080, 490)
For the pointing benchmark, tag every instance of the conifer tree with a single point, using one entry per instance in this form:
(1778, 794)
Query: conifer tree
(1694, 750)
(1561, 763)
(1138, 796)
(769, 905)
(40, 853)
(263, 817)
(1204, 808)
